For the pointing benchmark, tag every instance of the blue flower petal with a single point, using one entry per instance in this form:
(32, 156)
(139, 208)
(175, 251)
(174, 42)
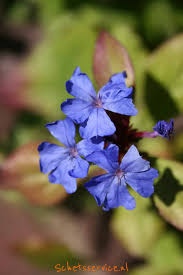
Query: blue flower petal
(50, 156)
(98, 187)
(80, 86)
(61, 176)
(64, 131)
(123, 106)
(86, 147)
(116, 83)
(98, 124)
(115, 94)
(78, 110)
(133, 162)
(111, 188)
(106, 159)
(112, 154)
(118, 195)
(142, 182)
(80, 168)
(117, 97)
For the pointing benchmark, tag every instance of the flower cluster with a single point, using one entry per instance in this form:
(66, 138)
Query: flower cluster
(101, 118)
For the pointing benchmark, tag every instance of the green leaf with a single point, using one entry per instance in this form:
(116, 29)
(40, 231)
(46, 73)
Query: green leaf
(139, 229)
(18, 12)
(165, 67)
(46, 11)
(159, 20)
(154, 94)
(157, 147)
(53, 63)
(169, 192)
(98, 16)
(165, 64)
(177, 146)
(176, 90)
(159, 95)
(49, 10)
(167, 254)
(111, 57)
(150, 270)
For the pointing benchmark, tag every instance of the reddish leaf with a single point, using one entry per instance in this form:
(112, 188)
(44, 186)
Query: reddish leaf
(111, 57)
(21, 171)
(12, 83)
(12, 93)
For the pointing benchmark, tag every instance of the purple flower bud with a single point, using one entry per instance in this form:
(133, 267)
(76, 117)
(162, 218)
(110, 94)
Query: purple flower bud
(164, 129)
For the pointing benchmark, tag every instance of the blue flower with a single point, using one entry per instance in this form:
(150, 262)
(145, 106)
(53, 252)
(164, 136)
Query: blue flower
(89, 109)
(64, 163)
(164, 129)
(110, 189)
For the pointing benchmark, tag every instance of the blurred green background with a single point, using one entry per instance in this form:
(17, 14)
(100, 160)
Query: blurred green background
(41, 43)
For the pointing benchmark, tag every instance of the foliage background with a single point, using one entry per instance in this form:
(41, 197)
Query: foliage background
(41, 42)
